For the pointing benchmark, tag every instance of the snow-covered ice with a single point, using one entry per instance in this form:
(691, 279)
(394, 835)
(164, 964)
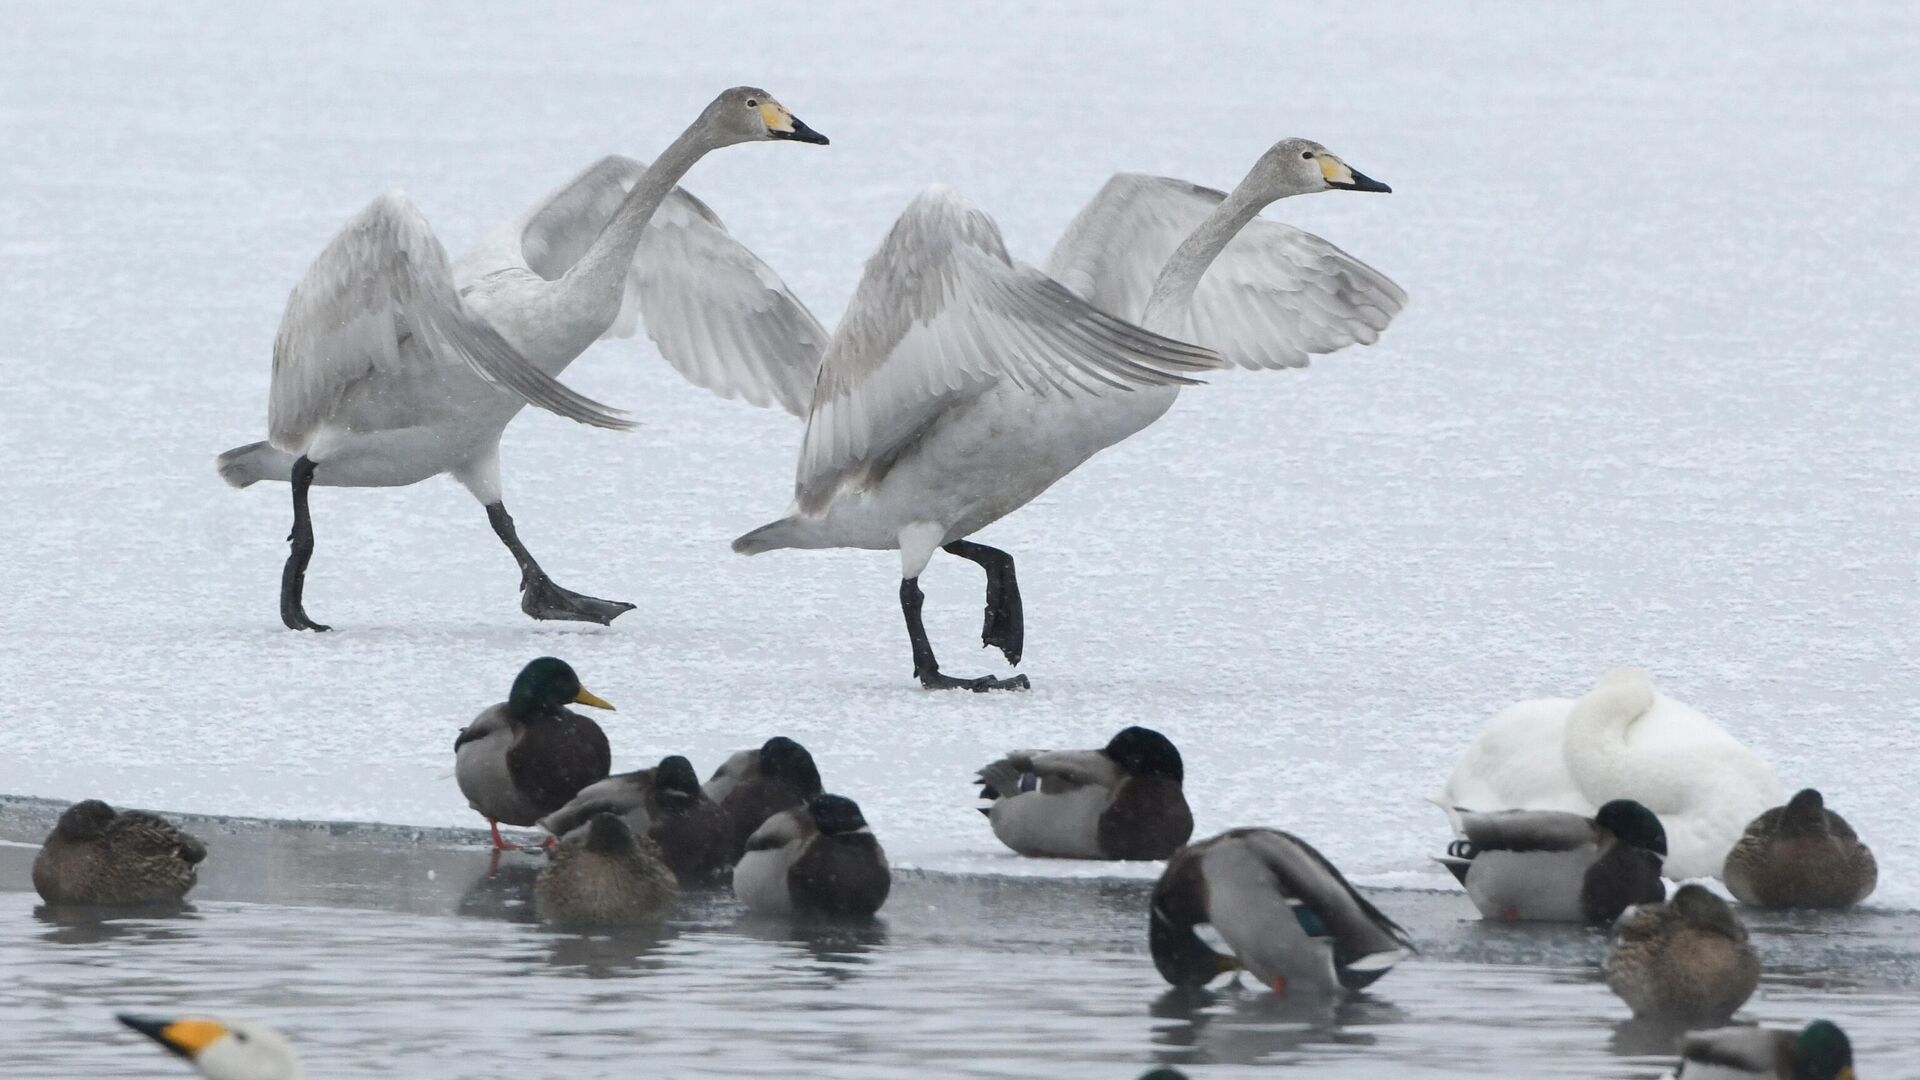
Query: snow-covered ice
(1653, 402)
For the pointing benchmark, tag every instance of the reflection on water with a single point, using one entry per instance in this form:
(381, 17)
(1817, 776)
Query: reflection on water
(70, 925)
(1647, 1036)
(1065, 989)
(500, 890)
(1244, 1025)
(384, 953)
(608, 954)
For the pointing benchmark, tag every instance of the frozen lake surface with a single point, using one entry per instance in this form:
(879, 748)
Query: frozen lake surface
(388, 952)
(1653, 402)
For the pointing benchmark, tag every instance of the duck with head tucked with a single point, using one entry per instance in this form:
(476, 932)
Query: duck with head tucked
(1123, 801)
(1558, 867)
(1819, 1051)
(223, 1049)
(816, 859)
(530, 755)
(1286, 915)
(603, 874)
(1801, 855)
(97, 855)
(1685, 961)
(664, 803)
(753, 785)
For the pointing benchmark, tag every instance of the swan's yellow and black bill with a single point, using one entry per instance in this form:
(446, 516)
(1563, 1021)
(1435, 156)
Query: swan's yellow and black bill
(1343, 176)
(782, 124)
(588, 697)
(184, 1037)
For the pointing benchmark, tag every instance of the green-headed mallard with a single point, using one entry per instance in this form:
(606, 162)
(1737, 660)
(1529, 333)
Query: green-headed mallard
(664, 803)
(97, 855)
(1687, 960)
(1281, 907)
(528, 756)
(1123, 801)
(223, 1049)
(602, 874)
(753, 785)
(1819, 1051)
(1800, 855)
(1559, 867)
(818, 859)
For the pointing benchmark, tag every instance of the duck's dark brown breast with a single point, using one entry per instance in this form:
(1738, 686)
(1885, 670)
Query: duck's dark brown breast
(695, 840)
(1148, 819)
(840, 875)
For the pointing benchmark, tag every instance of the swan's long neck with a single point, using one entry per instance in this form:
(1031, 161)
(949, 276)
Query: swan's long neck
(1597, 752)
(1166, 311)
(599, 279)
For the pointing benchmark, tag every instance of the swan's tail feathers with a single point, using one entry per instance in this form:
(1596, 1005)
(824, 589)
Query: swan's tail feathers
(246, 465)
(788, 532)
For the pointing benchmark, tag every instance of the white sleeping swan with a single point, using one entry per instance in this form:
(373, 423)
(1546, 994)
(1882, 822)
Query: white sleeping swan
(1621, 740)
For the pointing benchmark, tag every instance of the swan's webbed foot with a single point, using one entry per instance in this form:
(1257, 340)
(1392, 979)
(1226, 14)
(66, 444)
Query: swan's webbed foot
(1004, 627)
(539, 596)
(935, 680)
(925, 667)
(542, 599)
(296, 619)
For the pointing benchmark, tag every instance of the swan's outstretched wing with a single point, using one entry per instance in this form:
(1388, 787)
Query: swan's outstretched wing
(721, 317)
(384, 280)
(940, 315)
(1274, 296)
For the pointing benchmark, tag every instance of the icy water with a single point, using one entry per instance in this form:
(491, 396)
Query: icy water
(390, 952)
(1653, 402)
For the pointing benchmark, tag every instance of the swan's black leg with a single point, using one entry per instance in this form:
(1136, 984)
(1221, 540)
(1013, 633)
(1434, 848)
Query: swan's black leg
(293, 579)
(539, 596)
(925, 667)
(1005, 626)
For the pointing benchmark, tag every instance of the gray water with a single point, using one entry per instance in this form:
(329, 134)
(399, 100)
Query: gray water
(411, 953)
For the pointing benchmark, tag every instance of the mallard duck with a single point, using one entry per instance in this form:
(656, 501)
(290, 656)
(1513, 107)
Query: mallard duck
(1819, 1051)
(818, 859)
(101, 856)
(1801, 855)
(1559, 867)
(1686, 960)
(1282, 908)
(602, 874)
(664, 803)
(1623, 739)
(528, 756)
(223, 1049)
(753, 785)
(1123, 801)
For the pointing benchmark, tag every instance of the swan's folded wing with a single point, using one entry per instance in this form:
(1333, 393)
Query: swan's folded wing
(720, 316)
(940, 315)
(384, 279)
(1274, 296)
